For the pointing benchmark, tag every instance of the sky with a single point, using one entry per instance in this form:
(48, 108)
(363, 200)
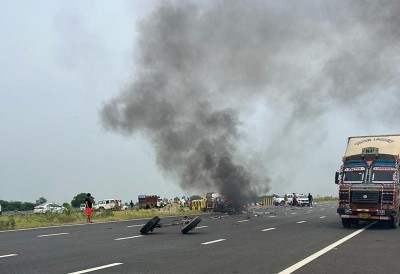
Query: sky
(123, 98)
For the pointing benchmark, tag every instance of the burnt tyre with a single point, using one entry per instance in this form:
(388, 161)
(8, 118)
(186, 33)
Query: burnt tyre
(346, 222)
(191, 225)
(150, 225)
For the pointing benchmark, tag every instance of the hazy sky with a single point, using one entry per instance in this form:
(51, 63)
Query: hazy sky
(62, 61)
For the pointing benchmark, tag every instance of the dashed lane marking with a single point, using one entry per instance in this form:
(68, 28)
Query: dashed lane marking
(272, 216)
(56, 234)
(8, 255)
(322, 217)
(132, 237)
(242, 221)
(301, 222)
(216, 241)
(268, 229)
(95, 268)
(323, 251)
(135, 225)
(201, 226)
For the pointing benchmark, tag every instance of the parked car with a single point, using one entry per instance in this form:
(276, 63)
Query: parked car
(49, 207)
(82, 207)
(107, 204)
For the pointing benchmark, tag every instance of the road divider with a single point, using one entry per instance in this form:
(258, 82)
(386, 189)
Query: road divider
(268, 229)
(8, 255)
(96, 268)
(323, 251)
(212, 242)
(56, 234)
(131, 237)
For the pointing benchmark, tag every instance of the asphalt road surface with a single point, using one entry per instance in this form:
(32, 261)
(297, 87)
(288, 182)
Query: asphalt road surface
(271, 240)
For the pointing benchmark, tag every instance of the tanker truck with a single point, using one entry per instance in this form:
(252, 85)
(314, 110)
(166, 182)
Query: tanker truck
(368, 180)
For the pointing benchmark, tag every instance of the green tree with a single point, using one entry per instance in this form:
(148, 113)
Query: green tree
(79, 199)
(41, 200)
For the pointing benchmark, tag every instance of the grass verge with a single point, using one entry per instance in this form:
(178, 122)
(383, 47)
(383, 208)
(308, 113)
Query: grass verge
(18, 221)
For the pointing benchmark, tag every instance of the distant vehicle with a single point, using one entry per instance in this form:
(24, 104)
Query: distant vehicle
(107, 204)
(82, 207)
(48, 207)
(124, 207)
(302, 200)
(149, 201)
(0, 210)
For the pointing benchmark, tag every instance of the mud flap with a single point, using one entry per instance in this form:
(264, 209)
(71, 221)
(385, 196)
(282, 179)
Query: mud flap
(150, 225)
(191, 225)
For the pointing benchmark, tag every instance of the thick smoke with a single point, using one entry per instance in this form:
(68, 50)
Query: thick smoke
(203, 67)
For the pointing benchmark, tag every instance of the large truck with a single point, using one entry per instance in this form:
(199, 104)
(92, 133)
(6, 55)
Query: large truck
(369, 180)
(149, 201)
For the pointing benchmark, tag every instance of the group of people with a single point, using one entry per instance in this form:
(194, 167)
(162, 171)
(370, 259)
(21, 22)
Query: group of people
(295, 201)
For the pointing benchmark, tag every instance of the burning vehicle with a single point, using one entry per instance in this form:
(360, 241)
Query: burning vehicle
(217, 203)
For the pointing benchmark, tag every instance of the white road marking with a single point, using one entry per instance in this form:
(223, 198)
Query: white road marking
(322, 251)
(293, 213)
(322, 217)
(132, 237)
(216, 241)
(242, 221)
(56, 234)
(201, 226)
(95, 268)
(135, 225)
(267, 229)
(272, 216)
(9, 255)
(301, 222)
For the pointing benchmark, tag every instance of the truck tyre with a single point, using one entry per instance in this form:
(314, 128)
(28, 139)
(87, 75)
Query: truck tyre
(346, 222)
(150, 225)
(394, 223)
(191, 225)
(282, 203)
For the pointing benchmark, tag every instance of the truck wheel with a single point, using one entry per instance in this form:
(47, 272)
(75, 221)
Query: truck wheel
(282, 203)
(346, 222)
(394, 223)
(191, 225)
(150, 225)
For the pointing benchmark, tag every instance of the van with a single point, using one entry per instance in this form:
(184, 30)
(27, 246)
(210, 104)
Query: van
(107, 204)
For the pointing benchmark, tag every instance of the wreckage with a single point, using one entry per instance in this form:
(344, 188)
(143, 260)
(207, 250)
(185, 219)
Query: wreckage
(188, 223)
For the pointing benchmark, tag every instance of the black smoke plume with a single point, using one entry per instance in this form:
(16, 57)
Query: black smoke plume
(204, 67)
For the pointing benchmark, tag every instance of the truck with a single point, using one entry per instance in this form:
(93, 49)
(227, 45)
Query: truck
(150, 201)
(368, 180)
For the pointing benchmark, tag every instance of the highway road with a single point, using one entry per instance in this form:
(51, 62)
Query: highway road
(272, 240)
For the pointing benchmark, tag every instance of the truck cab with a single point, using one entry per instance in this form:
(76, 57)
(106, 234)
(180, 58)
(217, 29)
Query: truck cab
(369, 180)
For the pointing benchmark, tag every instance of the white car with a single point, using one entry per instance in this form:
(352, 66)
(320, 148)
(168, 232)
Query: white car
(49, 207)
(82, 207)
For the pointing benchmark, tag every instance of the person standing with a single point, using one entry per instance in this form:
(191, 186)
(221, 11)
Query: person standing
(294, 199)
(310, 200)
(88, 207)
(131, 203)
(285, 199)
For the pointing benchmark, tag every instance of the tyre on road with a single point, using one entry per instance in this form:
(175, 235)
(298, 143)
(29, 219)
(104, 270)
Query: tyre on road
(191, 225)
(150, 225)
(346, 222)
